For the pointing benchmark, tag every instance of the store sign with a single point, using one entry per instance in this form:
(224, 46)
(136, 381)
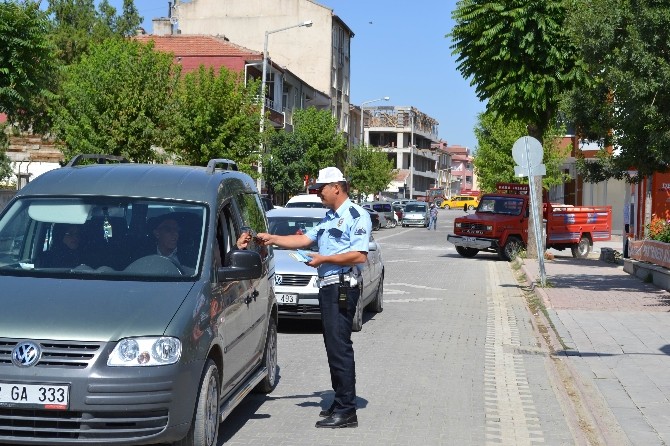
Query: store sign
(651, 251)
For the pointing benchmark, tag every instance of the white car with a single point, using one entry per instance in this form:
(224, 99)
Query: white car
(295, 282)
(305, 201)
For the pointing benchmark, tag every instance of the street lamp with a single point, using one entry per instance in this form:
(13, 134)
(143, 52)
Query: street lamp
(306, 24)
(385, 98)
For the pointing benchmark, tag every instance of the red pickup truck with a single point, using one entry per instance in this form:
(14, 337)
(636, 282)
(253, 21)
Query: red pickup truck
(500, 224)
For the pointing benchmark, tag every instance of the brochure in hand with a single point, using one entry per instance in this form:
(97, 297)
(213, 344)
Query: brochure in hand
(301, 256)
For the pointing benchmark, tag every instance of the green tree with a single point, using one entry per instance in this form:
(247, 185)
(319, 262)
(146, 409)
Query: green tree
(216, 116)
(284, 167)
(77, 25)
(626, 103)
(520, 59)
(313, 145)
(6, 171)
(518, 56)
(117, 101)
(370, 170)
(27, 63)
(493, 160)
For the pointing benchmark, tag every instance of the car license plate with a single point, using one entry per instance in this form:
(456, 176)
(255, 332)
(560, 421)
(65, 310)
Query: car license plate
(39, 396)
(287, 298)
(470, 239)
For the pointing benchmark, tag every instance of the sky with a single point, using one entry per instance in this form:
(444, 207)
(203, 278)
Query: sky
(399, 50)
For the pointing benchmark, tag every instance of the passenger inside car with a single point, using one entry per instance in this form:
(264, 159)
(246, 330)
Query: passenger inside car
(65, 251)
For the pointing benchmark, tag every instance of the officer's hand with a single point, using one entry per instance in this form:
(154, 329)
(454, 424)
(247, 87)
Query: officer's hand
(263, 238)
(317, 259)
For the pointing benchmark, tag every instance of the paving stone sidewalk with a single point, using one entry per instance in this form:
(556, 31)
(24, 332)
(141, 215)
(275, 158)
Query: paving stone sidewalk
(616, 333)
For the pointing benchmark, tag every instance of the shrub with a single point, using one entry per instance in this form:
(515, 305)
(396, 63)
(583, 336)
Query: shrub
(659, 228)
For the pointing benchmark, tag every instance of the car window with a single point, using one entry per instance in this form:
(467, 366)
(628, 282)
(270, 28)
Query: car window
(253, 217)
(292, 225)
(100, 237)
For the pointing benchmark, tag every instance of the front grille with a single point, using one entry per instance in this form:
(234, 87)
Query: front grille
(69, 354)
(43, 425)
(473, 226)
(300, 309)
(295, 279)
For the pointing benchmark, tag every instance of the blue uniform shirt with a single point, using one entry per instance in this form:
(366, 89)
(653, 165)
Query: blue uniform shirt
(346, 229)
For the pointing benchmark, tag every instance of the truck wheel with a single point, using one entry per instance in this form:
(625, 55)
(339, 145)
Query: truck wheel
(581, 249)
(205, 425)
(357, 324)
(466, 252)
(511, 249)
(269, 382)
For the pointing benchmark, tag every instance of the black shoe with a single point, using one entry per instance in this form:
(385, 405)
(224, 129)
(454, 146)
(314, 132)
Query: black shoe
(327, 412)
(339, 420)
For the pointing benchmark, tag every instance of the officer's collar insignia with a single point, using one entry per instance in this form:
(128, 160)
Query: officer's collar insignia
(360, 231)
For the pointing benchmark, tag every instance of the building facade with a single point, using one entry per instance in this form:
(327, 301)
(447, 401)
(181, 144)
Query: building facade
(285, 92)
(319, 54)
(407, 135)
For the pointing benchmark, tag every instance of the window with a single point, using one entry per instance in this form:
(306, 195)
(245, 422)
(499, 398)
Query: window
(253, 216)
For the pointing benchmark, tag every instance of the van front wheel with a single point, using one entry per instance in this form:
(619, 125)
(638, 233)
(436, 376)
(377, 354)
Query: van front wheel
(205, 425)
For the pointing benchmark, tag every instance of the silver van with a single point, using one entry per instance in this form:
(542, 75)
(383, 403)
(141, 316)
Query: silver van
(385, 208)
(129, 313)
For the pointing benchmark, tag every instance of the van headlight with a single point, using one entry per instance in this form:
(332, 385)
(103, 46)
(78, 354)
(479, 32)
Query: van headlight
(145, 352)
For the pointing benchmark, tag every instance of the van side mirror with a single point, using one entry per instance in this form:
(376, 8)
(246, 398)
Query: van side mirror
(241, 265)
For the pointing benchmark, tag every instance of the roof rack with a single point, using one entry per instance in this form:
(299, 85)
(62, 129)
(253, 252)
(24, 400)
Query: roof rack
(98, 157)
(227, 164)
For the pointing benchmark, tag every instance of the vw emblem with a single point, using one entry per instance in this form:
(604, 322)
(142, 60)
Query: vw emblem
(26, 354)
(278, 279)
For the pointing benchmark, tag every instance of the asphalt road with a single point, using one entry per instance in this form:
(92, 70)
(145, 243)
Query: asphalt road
(452, 360)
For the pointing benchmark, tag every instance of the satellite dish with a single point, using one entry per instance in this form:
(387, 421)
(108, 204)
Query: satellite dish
(173, 20)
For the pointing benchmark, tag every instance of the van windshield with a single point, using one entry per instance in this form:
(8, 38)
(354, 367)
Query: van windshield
(103, 237)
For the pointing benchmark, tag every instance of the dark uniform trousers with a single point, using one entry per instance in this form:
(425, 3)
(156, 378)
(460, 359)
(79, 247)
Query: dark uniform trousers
(339, 348)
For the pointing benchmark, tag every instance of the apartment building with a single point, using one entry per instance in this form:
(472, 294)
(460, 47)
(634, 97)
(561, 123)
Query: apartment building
(284, 93)
(407, 135)
(319, 54)
(462, 170)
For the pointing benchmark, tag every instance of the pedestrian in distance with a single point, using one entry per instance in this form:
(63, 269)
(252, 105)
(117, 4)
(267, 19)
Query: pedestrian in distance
(433, 217)
(343, 238)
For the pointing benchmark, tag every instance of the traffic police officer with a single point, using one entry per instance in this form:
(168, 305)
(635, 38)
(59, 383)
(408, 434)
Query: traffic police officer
(343, 237)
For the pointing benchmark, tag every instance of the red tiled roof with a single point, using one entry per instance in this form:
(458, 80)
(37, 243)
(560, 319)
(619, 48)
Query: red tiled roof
(198, 45)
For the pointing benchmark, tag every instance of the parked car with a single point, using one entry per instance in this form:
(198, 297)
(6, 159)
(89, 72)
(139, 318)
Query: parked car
(460, 201)
(416, 214)
(125, 346)
(305, 201)
(385, 208)
(378, 220)
(295, 282)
